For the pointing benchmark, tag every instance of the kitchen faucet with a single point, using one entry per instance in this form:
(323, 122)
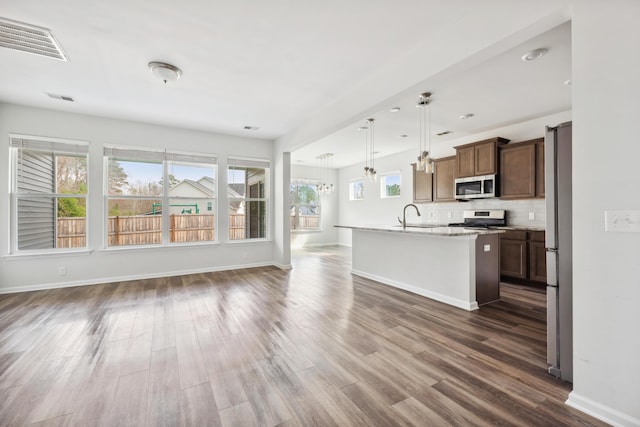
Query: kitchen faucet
(404, 215)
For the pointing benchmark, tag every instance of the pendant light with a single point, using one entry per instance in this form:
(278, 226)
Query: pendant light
(425, 162)
(325, 165)
(369, 154)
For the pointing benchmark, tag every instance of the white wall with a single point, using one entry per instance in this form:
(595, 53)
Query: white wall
(27, 272)
(375, 210)
(606, 153)
(328, 235)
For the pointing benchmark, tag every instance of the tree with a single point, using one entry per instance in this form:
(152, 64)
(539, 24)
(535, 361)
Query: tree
(72, 206)
(393, 190)
(304, 194)
(71, 174)
(117, 177)
(172, 180)
(69, 207)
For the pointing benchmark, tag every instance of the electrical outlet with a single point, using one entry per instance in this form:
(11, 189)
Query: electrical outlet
(532, 216)
(487, 248)
(62, 271)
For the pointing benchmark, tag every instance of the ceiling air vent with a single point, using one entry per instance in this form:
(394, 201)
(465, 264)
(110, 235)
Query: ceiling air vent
(446, 132)
(60, 97)
(29, 38)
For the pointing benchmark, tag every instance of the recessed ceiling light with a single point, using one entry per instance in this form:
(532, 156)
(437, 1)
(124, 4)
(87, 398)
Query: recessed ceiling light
(300, 161)
(403, 136)
(466, 116)
(446, 132)
(165, 72)
(534, 54)
(568, 82)
(395, 109)
(362, 128)
(251, 128)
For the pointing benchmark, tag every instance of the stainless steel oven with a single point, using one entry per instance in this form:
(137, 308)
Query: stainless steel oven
(476, 187)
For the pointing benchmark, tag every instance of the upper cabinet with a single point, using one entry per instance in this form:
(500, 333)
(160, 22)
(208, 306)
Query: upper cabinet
(522, 170)
(478, 158)
(443, 179)
(422, 186)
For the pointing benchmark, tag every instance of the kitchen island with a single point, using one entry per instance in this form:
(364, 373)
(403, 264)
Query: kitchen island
(456, 266)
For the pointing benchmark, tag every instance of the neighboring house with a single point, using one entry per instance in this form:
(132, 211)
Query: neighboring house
(197, 197)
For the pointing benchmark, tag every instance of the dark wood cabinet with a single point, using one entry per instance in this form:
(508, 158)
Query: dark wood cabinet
(540, 167)
(478, 158)
(513, 254)
(537, 257)
(523, 256)
(465, 161)
(522, 170)
(487, 272)
(443, 179)
(422, 186)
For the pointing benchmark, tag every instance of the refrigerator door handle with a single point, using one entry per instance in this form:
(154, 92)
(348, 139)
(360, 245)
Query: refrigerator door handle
(550, 145)
(552, 267)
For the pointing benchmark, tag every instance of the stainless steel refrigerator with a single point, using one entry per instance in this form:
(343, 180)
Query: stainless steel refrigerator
(557, 146)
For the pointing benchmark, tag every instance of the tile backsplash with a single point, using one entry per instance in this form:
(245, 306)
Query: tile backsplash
(517, 211)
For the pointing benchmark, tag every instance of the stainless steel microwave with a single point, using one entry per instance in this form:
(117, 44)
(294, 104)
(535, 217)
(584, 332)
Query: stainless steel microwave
(475, 187)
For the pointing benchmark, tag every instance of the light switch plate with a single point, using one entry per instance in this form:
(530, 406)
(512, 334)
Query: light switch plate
(532, 216)
(487, 248)
(622, 221)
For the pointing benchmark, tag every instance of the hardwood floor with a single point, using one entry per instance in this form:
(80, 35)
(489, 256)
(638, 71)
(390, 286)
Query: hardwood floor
(313, 346)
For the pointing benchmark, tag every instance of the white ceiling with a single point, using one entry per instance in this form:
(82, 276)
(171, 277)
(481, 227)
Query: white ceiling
(501, 91)
(272, 64)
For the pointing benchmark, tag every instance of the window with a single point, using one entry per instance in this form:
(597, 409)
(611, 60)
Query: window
(48, 194)
(305, 206)
(356, 189)
(390, 185)
(157, 197)
(248, 193)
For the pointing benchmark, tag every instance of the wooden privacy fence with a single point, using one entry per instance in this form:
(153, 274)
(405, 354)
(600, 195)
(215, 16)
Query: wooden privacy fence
(147, 229)
(305, 222)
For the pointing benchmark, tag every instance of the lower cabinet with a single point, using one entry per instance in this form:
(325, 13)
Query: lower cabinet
(522, 256)
(537, 257)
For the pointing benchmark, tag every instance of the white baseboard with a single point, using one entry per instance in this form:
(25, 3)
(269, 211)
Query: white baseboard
(283, 266)
(102, 280)
(317, 245)
(600, 411)
(418, 291)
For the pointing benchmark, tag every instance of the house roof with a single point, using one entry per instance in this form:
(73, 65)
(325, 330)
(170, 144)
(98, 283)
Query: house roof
(205, 185)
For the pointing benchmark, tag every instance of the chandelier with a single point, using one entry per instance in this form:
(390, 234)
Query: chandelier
(326, 166)
(369, 143)
(425, 162)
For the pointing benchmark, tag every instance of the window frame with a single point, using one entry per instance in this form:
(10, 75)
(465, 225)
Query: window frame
(165, 158)
(55, 146)
(246, 162)
(351, 193)
(383, 193)
(296, 206)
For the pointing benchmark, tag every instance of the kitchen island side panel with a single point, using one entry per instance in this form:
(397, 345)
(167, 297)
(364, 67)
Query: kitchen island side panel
(437, 267)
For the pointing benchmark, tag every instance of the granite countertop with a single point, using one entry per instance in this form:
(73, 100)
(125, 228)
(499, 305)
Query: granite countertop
(424, 229)
(506, 227)
(522, 228)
